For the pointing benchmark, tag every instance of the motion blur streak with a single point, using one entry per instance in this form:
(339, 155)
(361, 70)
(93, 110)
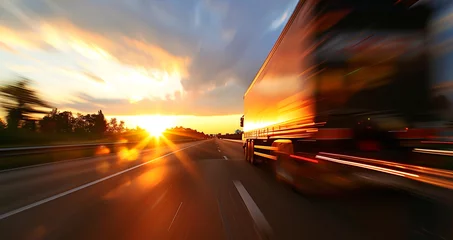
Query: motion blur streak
(434, 151)
(304, 158)
(381, 169)
(426, 170)
(446, 183)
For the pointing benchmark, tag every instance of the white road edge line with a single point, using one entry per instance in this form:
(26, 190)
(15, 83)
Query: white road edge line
(254, 210)
(225, 157)
(174, 217)
(16, 211)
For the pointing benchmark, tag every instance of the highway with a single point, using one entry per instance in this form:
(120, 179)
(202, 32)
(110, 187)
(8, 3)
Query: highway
(195, 190)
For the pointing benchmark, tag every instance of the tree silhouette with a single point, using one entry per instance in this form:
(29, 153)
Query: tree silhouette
(20, 102)
(79, 123)
(112, 126)
(55, 121)
(121, 127)
(100, 124)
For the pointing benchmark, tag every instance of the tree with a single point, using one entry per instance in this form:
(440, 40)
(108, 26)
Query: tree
(14, 118)
(121, 128)
(55, 121)
(29, 125)
(100, 124)
(79, 124)
(112, 126)
(65, 122)
(21, 102)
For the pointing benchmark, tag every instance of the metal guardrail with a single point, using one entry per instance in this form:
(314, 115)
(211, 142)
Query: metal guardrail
(18, 151)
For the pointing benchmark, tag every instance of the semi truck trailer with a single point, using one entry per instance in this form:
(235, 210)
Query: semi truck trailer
(346, 79)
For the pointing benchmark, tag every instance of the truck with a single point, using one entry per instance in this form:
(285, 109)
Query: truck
(346, 84)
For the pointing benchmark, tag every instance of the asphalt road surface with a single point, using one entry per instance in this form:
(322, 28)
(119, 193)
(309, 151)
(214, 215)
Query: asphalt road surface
(197, 190)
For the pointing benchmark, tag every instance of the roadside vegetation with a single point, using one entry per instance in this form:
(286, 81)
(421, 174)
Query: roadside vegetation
(31, 120)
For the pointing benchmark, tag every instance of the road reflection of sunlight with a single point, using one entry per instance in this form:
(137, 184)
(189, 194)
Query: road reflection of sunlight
(138, 185)
(103, 167)
(148, 179)
(116, 192)
(102, 150)
(157, 151)
(154, 174)
(125, 154)
(183, 158)
(151, 178)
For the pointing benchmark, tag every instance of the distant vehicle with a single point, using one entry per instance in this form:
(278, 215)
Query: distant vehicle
(344, 77)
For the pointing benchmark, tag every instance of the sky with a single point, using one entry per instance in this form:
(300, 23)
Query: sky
(191, 60)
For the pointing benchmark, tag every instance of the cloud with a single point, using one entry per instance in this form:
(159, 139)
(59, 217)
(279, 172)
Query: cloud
(220, 100)
(192, 48)
(93, 77)
(277, 23)
(5, 47)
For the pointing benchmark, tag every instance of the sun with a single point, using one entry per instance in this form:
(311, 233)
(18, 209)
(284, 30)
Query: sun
(156, 125)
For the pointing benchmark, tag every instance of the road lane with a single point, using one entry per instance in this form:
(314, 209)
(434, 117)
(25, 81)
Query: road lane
(143, 204)
(39, 182)
(232, 150)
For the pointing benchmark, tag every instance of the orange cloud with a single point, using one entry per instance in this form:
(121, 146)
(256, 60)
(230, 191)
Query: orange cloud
(151, 71)
(93, 77)
(6, 47)
(159, 56)
(12, 38)
(65, 36)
